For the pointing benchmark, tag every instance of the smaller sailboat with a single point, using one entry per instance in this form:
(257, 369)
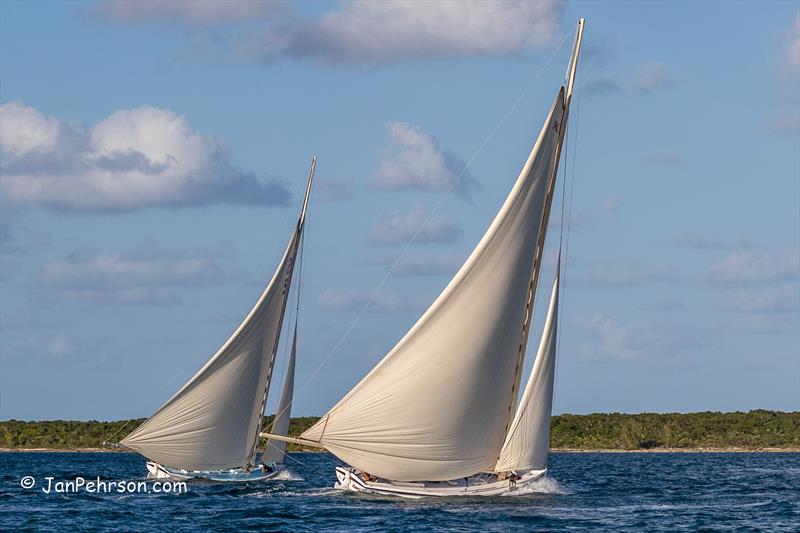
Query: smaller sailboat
(210, 428)
(436, 417)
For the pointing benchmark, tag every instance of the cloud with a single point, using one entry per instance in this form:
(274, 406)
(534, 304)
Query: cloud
(784, 298)
(743, 267)
(593, 216)
(602, 85)
(332, 190)
(647, 77)
(133, 159)
(392, 31)
(652, 76)
(793, 47)
(786, 119)
(429, 265)
(701, 242)
(614, 341)
(194, 12)
(786, 124)
(146, 275)
(58, 350)
(342, 300)
(663, 158)
(402, 226)
(626, 276)
(415, 161)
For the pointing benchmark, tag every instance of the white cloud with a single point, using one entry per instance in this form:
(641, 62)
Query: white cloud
(146, 275)
(783, 298)
(743, 267)
(193, 12)
(415, 161)
(24, 130)
(58, 350)
(343, 300)
(395, 30)
(612, 339)
(652, 76)
(615, 341)
(133, 159)
(400, 227)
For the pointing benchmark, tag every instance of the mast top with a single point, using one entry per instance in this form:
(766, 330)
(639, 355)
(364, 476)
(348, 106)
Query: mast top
(308, 191)
(573, 64)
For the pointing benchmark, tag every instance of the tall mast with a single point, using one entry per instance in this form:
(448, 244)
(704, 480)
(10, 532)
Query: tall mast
(297, 237)
(537, 258)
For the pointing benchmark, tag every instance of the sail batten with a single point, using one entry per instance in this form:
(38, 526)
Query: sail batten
(436, 407)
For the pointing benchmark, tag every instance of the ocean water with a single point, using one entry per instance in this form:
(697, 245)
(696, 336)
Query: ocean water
(584, 491)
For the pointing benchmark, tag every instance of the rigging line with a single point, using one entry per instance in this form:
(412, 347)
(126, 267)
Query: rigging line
(565, 257)
(438, 203)
(286, 454)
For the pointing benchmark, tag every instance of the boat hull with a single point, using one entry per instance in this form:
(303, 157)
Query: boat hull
(268, 471)
(479, 485)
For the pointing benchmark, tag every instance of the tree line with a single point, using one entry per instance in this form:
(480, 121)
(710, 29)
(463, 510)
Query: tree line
(615, 431)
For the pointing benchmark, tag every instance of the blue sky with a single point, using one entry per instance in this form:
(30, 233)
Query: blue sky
(153, 157)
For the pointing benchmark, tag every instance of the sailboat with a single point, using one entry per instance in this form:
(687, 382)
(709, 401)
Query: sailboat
(210, 428)
(436, 416)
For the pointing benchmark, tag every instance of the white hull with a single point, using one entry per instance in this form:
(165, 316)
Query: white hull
(479, 485)
(157, 471)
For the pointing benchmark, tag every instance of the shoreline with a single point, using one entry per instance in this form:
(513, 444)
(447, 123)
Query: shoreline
(732, 449)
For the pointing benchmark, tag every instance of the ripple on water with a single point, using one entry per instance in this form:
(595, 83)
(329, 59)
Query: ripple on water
(583, 492)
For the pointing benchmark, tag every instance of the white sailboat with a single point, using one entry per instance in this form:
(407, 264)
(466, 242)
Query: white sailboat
(436, 416)
(210, 428)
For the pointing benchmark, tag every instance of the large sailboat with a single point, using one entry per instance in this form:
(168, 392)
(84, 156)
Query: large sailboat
(436, 416)
(210, 428)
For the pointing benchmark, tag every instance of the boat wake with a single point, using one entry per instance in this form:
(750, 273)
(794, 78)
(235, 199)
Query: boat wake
(287, 475)
(544, 485)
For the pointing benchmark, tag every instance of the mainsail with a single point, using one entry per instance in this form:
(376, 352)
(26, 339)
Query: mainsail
(436, 407)
(212, 422)
(528, 440)
(276, 450)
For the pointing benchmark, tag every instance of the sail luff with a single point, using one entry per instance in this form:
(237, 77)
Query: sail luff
(276, 450)
(298, 236)
(527, 443)
(537, 261)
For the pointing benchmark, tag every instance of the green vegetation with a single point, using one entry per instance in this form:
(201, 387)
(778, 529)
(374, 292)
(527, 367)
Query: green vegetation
(615, 431)
(752, 430)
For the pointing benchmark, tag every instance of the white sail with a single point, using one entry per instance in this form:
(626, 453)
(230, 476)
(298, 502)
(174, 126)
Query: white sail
(212, 422)
(437, 406)
(528, 441)
(276, 450)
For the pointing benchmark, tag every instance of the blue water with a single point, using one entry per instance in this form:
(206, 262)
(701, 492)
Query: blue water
(592, 491)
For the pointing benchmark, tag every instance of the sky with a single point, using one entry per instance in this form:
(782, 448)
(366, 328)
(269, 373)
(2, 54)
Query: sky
(153, 157)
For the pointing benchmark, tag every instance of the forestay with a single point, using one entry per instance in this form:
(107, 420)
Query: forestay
(436, 407)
